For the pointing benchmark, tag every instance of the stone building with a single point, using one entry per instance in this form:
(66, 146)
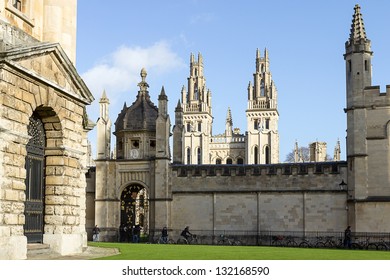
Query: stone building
(193, 140)
(133, 189)
(221, 182)
(368, 116)
(43, 129)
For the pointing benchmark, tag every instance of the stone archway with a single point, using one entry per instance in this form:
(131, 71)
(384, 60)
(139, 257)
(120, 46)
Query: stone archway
(45, 168)
(134, 208)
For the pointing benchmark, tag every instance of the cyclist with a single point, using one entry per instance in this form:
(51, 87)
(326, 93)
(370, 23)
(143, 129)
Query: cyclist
(186, 233)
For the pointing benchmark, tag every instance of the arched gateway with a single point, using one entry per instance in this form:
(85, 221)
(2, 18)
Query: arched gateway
(35, 168)
(135, 207)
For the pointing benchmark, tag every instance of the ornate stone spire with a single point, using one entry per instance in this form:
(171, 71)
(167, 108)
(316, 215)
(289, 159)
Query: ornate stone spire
(162, 95)
(358, 31)
(104, 102)
(178, 107)
(337, 152)
(104, 98)
(143, 85)
(229, 118)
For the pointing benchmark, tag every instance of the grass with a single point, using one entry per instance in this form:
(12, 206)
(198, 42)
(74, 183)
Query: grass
(141, 251)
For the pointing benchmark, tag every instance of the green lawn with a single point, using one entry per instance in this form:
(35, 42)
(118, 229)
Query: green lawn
(141, 251)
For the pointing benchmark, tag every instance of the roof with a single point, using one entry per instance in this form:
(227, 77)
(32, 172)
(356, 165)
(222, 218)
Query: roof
(142, 114)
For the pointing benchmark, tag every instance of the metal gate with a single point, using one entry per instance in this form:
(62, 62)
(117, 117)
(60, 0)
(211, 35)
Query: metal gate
(35, 168)
(134, 207)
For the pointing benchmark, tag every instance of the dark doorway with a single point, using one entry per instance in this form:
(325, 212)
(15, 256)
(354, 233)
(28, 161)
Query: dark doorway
(134, 209)
(35, 181)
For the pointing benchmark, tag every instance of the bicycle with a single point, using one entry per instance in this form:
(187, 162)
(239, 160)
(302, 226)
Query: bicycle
(192, 239)
(228, 241)
(278, 240)
(382, 245)
(305, 243)
(285, 241)
(367, 245)
(329, 242)
(166, 240)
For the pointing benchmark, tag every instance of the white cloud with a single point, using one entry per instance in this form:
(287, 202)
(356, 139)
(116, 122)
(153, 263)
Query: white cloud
(120, 70)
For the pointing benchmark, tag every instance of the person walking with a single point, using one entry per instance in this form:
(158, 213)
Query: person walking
(95, 233)
(164, 235)
(136, 233)
(348, 237)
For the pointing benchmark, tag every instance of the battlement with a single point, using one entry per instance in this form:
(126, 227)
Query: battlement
(374, 97)
(282, 169)
(222, 139)
(261, 104)
(288, 177)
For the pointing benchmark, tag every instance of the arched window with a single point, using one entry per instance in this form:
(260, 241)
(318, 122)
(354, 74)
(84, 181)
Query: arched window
(17, 4)
(229, 161)
(240, 161)
(256, 155)
(199, 156)
(267, 155)
(196, 94)
(218, 161)
(188, 155)
(262, 92)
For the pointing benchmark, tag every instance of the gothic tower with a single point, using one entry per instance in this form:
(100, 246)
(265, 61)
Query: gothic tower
(358, 57)
(197, 115)
(262, 116)
(103, 129)
(368, 115)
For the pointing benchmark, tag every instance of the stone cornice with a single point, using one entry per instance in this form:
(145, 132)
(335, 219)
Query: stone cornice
(11, 56)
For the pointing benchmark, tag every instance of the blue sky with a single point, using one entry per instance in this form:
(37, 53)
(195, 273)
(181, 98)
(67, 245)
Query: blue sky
(305, 40)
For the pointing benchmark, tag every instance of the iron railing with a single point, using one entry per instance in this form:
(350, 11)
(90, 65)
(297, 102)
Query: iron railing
(317, 239)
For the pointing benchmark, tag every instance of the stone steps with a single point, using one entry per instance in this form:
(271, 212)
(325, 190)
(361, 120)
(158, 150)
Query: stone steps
(38, 251)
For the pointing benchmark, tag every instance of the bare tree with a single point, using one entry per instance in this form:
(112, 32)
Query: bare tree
(303, 155)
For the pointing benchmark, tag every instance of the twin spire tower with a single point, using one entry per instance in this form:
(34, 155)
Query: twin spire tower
(193, 141)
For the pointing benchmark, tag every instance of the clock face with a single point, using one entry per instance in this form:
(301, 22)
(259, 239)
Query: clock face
(134, 153)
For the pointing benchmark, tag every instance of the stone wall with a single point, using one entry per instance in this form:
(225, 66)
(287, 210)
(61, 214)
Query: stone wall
(281, 197)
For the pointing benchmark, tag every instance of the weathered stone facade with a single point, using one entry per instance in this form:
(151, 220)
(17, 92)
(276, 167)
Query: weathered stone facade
(283, 197)
(368, 152)
(39, 81)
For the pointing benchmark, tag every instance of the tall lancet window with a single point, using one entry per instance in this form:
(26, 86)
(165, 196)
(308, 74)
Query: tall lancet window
(188, 155)
(262, 92)
(256, 155)
(17, 4)
(199, 156)
(267, 155)
(196, 94)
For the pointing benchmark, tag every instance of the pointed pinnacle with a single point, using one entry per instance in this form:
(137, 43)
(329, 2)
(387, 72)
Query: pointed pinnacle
(357, 27)
(104, 97)
(162, 95)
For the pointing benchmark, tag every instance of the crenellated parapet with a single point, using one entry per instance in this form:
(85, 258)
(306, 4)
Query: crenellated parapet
(319, 176)
(373, 97)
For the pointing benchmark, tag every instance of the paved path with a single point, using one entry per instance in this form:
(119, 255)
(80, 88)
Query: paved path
(88, 254)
